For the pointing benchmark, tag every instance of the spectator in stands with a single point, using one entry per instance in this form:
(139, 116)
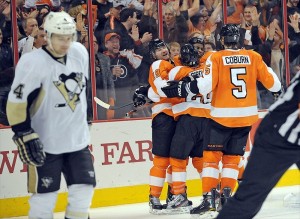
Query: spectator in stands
(292, 5)
(127, 29)
(36, 40)
(148, 22)
(6, 55)
(5, 21)
(269, 11)
(134, 4)
(236, 8)
(105, 89)
(79, 14)
(294, 37)
(253, 32)
(174, 49)
(30, 26)
(67, 4)
(275, 37)
(123, 66)
(175, 26)
(205, 24)
(208, 46)
(43, 7)
(103, 15)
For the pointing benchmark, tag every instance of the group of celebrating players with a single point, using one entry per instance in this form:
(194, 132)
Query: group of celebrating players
(204, 107)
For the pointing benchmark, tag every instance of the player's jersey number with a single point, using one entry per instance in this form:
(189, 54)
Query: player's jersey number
(241, 90)
(200, 98)
(19, 91)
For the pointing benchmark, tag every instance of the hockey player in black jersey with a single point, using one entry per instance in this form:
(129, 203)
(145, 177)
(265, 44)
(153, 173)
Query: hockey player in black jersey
(276, 147)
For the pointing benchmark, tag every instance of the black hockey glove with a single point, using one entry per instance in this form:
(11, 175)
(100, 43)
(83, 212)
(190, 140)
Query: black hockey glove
(190, 78)
(181, 89)
(30, 148)
(140, 96)
(277, 94)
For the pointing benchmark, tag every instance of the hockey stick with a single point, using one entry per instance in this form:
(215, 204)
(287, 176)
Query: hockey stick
(107, 106)
(130, 113)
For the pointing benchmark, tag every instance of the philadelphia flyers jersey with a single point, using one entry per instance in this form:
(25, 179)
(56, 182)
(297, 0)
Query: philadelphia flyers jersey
(50, 97)
(231, 75)
(195, 105)
(158, 76)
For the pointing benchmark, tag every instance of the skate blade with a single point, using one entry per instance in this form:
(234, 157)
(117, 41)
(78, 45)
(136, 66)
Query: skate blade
(155, 211)
(209, 215)
(179, 210)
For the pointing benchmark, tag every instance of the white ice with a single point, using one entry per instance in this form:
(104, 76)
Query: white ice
(273, 208)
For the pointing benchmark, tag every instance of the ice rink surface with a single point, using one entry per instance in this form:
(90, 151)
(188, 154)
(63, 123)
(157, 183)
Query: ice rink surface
(273, 208)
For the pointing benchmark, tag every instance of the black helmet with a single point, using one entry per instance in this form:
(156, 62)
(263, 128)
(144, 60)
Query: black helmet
(154, 45)
(195, 40)
(189, 56)
(231, 33)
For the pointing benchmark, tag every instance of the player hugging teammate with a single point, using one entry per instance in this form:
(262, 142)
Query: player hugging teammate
(228, 83)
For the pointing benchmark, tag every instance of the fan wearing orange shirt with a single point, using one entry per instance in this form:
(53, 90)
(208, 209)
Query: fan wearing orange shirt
(231, 75)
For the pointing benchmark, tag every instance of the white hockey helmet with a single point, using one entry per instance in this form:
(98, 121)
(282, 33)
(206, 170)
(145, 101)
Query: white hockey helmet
(59, 23)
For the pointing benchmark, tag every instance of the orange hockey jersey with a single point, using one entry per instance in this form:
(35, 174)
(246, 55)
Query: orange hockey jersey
(193, 105)
(231, 75)
(158, 76)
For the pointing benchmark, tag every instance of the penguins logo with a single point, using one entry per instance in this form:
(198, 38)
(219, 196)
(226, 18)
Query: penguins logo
(70, 86)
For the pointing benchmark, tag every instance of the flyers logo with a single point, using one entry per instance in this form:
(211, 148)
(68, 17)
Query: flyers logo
(156, 73)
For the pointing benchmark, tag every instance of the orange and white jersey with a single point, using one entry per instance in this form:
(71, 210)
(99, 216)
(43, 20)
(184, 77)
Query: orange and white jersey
(158, 77)
(193, 106)
(231, 75)
(177, 61)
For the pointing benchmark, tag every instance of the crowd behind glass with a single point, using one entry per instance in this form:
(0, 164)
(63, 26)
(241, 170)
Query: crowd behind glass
(123, 28)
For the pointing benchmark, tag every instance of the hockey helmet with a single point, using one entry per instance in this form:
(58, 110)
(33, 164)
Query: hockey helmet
(59, 23)
(154, 45)
(189, 56)
(231, 33)
(195, 40)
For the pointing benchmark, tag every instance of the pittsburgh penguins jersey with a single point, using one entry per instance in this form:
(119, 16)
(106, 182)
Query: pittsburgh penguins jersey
(158, 76)
(231, 75)
(49, 95)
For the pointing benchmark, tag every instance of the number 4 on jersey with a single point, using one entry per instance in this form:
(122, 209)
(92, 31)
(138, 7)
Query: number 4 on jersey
(19, 91)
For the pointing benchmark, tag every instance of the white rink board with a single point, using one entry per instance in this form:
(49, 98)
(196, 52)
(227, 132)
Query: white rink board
(121, 153)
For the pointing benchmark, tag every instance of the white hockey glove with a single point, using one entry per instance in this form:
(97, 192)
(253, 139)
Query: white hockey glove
(30, 148)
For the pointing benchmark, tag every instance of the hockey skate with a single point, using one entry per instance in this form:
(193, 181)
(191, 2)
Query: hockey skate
(155, 205)
(207, 209)
(170, 195)
(178, 204)
(224, 198)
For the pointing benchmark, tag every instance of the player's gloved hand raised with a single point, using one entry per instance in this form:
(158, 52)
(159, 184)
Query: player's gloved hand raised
(30, 148)
(140, 96)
